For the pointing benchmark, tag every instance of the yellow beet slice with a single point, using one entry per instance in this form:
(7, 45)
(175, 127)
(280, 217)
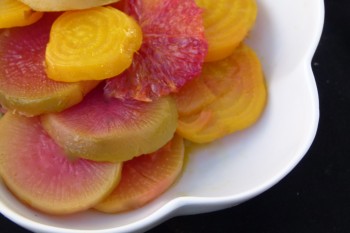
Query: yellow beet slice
(146, 177)
(14, 13)
(92, 44)
(226, 23)
(65, 5)
(193, 97)
(202, 127)
(237, 107)
(203, 90)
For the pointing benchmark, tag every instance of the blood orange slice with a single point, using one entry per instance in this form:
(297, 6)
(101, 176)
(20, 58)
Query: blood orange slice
(172, 52)
(24, 85)
(146, 177)
(38, 172)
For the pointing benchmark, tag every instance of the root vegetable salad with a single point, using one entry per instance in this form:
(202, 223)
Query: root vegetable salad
(98, 97)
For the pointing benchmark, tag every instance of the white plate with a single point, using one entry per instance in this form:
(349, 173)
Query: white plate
(240, 166)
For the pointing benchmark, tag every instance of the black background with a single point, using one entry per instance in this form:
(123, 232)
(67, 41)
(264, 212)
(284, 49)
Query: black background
(315, 196)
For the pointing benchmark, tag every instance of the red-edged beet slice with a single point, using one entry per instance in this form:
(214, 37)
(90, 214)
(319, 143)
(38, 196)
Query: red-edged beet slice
(109, 129)
(38, 172)
(24, 86)
(145, 178)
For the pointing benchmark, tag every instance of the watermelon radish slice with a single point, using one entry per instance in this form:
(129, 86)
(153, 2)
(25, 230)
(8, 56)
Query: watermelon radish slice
(146, 177)
(24, 86)
(2, 111)
(65, 5)
(109, 129)
(172, 52)
(38, 172)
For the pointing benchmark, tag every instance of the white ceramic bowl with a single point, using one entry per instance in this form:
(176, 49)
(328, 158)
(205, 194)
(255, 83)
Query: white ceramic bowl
(242, 165)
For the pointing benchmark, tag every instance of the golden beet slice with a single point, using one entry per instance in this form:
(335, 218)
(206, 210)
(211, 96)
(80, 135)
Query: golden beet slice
(202, 127)
(146, 177)
(212, 83)
(109, 129)
(14, 13)
(205, 89)
(226, 23)
(193, 96)
(65, 5)
(24, 85)
(92, 44)
(39, 173)
(241, 98)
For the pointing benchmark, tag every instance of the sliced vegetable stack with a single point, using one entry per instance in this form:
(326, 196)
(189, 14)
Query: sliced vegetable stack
(238, 77)
(97, 97)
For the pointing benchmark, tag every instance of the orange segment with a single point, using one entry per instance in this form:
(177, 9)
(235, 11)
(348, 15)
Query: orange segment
(226, 23)
(92, 44)
(146, 177)
(14, 13)
(237, 107)
(172, 51)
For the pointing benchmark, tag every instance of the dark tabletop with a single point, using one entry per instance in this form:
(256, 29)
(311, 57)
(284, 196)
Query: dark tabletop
(315, 196)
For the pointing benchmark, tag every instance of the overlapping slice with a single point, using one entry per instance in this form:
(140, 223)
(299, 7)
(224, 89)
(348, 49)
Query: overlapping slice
(194, 96)
(38, 172)
(92, 44)
(24, 86)
(239, 87)
(109, 129)
(146, 177)
(120, 5)
(65, 5)
(227, 23)
(172, 52)
(14, 13)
